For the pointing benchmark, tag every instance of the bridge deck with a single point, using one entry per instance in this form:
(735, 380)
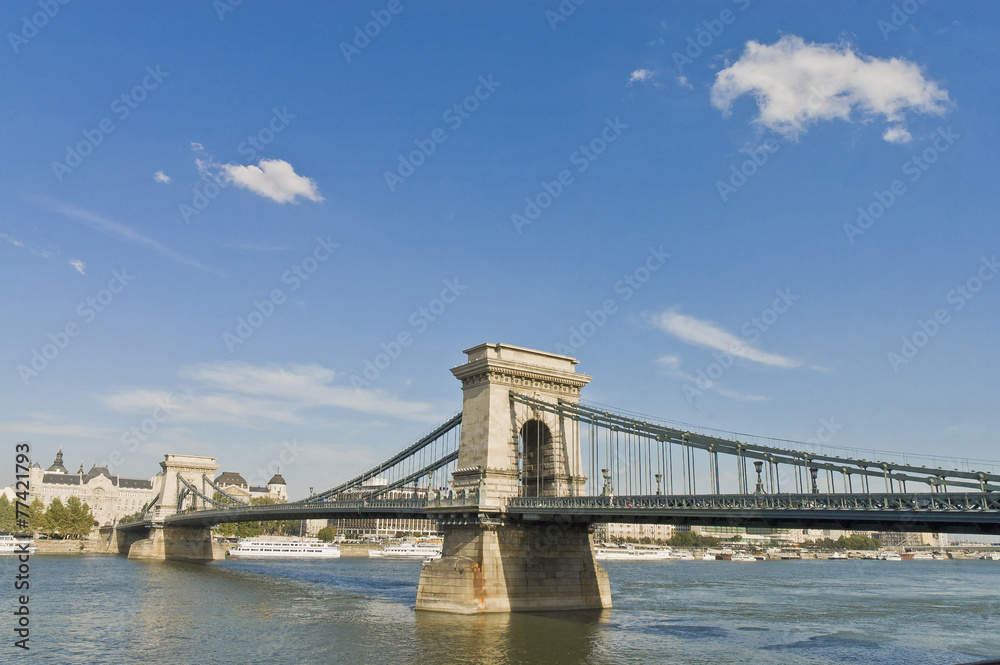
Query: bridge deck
(931, 512)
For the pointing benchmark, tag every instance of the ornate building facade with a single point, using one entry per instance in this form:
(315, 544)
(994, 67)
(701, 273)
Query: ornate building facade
(109, 497)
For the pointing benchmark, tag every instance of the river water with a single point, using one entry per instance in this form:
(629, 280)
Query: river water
(106, 609)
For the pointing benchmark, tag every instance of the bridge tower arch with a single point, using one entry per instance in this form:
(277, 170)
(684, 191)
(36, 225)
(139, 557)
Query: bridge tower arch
(493, 450)
(508, 449)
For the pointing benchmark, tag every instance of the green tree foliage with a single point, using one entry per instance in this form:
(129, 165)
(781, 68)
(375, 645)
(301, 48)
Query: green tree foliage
(7, 518)
(131, 517)
(327, 534)
(36, 516)
(73, 520)
(79, 520)
(55, 519)
(253, 529)
(855, 542)
(689, 539)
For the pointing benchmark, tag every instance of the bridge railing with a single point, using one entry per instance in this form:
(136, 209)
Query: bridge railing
(954, 502)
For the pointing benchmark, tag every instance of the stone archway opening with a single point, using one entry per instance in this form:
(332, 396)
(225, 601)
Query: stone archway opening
(535, 459)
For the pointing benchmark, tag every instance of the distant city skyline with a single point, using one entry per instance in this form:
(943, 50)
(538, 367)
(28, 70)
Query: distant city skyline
(759, 217)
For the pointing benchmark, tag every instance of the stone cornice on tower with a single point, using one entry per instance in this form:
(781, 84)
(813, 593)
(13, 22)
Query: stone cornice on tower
(521, 368)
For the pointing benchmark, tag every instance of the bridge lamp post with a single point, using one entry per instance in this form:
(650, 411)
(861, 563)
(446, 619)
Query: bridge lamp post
(813, 473)
(659, 477)
(758, 467)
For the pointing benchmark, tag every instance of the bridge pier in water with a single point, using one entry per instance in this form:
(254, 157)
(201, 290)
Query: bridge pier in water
(174, 543)
(491, 563)
(160, 542)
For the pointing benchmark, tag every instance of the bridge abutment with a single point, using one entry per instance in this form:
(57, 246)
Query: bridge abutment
(512, 567)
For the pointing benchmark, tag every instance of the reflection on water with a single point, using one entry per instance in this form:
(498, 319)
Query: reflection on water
(496, 639)
(97, 609)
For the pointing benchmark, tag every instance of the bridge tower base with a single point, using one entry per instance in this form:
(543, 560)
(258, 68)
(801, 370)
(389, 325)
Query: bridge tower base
(174, 543)
(513, 567)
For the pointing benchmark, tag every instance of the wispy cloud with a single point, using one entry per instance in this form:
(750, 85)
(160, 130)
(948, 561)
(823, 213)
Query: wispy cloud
(16, 243)
(691, 330)
(160, 176)
(56, 429)
(257, 246)
(79, 266)
(740, 397)
(248, 395)
(118, 230)
(797, 84)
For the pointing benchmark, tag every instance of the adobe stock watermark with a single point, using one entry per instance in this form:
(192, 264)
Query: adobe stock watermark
(31, 26)
(223, 7)
(264, 309)
(827, 431)
(133, 437)
(419, 322)
(454, 116)
(288, 453)
(914, 167)
(900, 16)
(626, 288)
(213, 183)
(705, 36)
(751, 331)
(121, 107)
(580, 159)
(958, 298)
(738, 175)
(563, 11)
(87, 311)
(363, 36)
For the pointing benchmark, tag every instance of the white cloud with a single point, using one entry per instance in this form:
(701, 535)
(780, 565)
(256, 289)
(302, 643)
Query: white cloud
(160, 176)
(684, 83)
(706, 334)
(273, 178)
(641, 76)
(797, 84)
(247, 395)
(197, 147)
(79, 265)
(897, 134)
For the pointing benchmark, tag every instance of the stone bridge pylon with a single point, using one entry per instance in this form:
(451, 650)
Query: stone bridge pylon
(491, 563)
(184, 543)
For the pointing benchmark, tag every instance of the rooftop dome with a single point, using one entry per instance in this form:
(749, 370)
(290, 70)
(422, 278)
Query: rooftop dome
(276, 479)
(57, 466)
(229, 478)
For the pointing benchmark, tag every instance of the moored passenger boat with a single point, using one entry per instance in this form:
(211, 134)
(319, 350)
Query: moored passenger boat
(632, 553)
(261, 548)
(13, 545)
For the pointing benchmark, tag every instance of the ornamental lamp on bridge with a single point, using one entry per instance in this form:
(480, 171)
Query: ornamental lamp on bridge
(813, 473)
(758, 467)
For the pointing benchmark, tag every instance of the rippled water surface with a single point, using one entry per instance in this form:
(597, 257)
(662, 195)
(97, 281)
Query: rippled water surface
(102, 609)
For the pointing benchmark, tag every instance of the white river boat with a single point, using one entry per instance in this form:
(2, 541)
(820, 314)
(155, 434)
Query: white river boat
(631, 553)
(13, 545)
(283, 549)
(417, 550)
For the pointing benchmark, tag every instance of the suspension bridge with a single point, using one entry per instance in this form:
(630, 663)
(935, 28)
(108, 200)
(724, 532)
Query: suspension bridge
(517, 478)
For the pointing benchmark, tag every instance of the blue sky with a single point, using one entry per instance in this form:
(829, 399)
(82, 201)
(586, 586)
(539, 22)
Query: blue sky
(670, 192)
